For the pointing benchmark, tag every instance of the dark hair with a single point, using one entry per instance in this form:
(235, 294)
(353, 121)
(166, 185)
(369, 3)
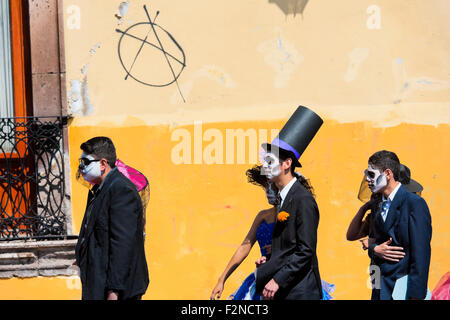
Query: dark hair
(404, 174)
(254, 176)
(284, 155)
(386, 160)
(304, 182)
(101, 147)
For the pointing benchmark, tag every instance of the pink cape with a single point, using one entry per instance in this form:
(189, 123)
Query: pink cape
(139, 180)
(442, 290)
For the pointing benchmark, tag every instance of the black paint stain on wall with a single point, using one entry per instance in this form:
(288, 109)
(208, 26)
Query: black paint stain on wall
(291, 6)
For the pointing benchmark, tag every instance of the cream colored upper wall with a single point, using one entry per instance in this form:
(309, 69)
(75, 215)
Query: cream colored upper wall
(249, 60)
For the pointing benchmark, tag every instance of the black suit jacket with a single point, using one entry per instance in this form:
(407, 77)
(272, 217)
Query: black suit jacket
(293, 263)
(408, 223)
(110, 249)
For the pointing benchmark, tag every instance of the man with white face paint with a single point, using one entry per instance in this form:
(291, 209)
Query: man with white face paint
(359, 227)
(110, 249)
(375, 179)
(403, 222)
(90, 169)
(292, 271)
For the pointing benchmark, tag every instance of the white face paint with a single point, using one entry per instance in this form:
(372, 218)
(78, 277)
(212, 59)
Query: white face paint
(271, 165)
(271, 194)
(375, 179)
(92, 171)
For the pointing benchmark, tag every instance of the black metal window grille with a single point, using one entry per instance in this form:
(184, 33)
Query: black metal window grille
(31, 178)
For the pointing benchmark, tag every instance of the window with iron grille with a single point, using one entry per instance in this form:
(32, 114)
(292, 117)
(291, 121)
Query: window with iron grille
(31, 178)
(35, 217)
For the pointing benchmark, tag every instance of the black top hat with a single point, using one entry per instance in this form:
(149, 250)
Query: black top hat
(296, 134)
(405, 179)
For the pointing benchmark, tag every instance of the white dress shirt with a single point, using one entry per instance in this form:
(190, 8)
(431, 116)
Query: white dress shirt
(285, 191)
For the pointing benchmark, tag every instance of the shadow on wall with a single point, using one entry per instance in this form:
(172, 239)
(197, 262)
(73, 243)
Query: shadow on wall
(291, 6)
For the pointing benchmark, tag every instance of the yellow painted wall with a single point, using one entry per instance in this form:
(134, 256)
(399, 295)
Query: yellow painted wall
(248, 66)
(198, 214)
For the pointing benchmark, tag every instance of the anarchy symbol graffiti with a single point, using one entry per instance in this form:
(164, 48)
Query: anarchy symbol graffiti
(150, 55)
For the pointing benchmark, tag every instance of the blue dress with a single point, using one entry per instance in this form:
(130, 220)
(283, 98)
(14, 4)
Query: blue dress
(247, 289)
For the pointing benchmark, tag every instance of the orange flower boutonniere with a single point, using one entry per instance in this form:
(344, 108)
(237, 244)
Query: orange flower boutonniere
(283, 216)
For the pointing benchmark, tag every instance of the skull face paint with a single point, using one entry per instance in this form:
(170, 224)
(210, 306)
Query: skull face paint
(271, 165)
(271, 194)
(92, 171)
(375, 179)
